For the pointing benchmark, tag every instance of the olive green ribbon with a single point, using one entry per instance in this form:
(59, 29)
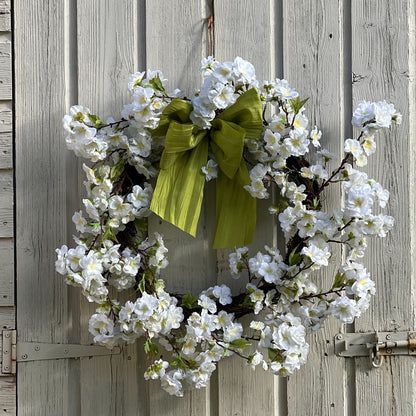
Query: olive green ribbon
(178, 195)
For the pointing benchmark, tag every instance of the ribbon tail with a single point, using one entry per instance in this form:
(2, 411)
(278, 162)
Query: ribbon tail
(236, 210)
(177, 197)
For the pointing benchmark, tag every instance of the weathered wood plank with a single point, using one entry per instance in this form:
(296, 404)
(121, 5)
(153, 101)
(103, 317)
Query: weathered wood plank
(6, 204)
(5, 117)
(6, 272)
(5, 71)
(246, 29)
(7, 396)
(313, 64)
(383, 64)
(108, 38)
(40, 42)
(6, 151)
(191, 260)
(5, 16)
(7, 317)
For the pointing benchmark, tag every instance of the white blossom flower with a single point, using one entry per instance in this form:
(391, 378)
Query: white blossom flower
(223, 294)
(210, 170)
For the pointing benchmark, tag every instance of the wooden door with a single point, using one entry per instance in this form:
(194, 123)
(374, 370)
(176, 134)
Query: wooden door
(335, 52)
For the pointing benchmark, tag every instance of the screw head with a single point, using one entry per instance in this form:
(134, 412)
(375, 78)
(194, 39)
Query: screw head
(339, 337)
(7, 335)
(388, 350)
(388, 336)
(37, 348)
(6, 368)
(24, 356)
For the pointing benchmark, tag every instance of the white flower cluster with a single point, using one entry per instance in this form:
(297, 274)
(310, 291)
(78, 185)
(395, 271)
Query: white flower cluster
(223, 84)
(113, 252)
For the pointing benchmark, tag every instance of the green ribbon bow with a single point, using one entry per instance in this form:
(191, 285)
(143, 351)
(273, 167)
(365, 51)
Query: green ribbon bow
(179, 190)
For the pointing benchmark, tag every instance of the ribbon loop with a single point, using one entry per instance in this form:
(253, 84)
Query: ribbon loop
(179, 191)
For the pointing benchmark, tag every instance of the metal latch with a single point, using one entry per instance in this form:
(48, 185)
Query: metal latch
(13, 351)
(375, 345)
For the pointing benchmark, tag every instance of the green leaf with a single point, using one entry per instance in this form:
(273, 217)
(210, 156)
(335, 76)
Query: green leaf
(247, 302)
(240, 343)
(141, 225)
(179, 362)
(96, 120)
(273, 353)
(156, 84)
(117, 169)
(94, 225)
(142, 284)
(150, 348)
(339, 280)
(109, 234)
(294, 258)
(189, 301)
(296, 104)
(351, 236)
(281, 205)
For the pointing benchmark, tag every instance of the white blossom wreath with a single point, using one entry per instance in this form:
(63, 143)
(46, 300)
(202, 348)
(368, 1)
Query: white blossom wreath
(114, 252)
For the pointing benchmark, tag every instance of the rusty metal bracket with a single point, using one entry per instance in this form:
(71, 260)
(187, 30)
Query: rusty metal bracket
(375, 345)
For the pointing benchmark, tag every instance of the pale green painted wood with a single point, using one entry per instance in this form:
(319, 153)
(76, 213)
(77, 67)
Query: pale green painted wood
(383, 63)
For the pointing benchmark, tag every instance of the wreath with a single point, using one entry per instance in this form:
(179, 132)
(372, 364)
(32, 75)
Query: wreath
(222, 132)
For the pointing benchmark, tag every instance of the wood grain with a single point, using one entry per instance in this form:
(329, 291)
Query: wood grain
(41, 199)
(248, 33)
(107, 43)
(313, 64)
(7, 396)
(383, 57)
(5, 16)
(6, 204)
(191, 260)
(7, 272)
(68, 52)
(5, 117)
(5, 70)
(6, 151)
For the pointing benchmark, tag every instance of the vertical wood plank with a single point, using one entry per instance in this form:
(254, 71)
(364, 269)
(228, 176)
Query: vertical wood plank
(313, 64)
(247, 29)
(8, 396)
(383, 64)
(5, 16)
(108, 37)
(41, 210)
(5, 70)
(6, 204)
(6, 156)
(191, 260)
(6, 272)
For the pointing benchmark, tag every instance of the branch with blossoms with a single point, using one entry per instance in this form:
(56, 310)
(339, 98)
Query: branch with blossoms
(283, 297)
